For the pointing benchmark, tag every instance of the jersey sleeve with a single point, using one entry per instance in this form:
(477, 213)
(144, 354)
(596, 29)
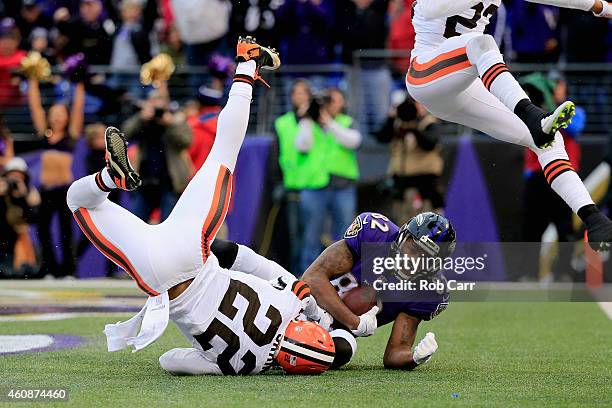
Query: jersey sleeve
(369, 228)
(188, 361)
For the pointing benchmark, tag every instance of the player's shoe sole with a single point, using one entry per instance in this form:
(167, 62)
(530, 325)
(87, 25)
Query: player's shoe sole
(119, 167)
(266, 58)
(559, 119)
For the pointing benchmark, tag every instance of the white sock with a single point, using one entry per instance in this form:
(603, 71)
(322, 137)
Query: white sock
(498, 79)
(562, 178)
(249, 262)
(246, 68)
(234, 118)
(85, 193)
(107, 179)
(571, 189)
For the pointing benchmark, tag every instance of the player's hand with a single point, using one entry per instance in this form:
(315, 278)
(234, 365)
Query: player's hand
(326, 320)
(425, 349)
(367, 323)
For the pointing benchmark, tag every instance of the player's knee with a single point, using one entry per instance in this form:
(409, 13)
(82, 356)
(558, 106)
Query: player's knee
(167, 362)
(71, 201)
(225, 251)
(345, 347)
(480, 45)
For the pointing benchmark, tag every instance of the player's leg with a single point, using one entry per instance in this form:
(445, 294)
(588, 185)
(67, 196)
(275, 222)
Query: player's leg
(243, 259)
(119, 235)
(484, 54)
(479, 109)
(201, 209)
(346, 346)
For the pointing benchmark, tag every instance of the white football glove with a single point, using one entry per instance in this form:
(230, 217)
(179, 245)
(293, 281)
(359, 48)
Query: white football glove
(314, 313)
(367, 323)
(425, 349)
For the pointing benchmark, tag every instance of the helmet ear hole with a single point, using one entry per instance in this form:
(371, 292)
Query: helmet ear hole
(306, 348)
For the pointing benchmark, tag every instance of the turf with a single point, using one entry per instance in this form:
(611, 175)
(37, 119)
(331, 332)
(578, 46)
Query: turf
(491, 354)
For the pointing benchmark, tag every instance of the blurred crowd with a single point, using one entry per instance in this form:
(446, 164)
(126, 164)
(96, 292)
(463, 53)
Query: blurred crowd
(316, 138)
(123, 33)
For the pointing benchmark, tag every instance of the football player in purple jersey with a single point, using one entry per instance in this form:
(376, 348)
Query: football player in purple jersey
(342, 267)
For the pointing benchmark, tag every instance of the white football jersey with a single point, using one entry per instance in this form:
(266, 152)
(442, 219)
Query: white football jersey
(433, 32)
(234, 318)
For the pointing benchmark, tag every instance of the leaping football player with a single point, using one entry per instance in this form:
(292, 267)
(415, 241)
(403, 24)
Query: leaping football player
(237, 323)
(458, 73)
(340, 268)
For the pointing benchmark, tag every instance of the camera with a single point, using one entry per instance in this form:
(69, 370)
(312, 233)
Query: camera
(159, 113)
(318, 101)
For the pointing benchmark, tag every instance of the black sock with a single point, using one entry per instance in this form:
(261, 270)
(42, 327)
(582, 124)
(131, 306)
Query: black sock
(587, 211)
(528, 112)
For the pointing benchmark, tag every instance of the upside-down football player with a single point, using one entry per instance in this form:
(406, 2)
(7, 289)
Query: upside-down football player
(237, 323)
(339, 270)
(458, 73)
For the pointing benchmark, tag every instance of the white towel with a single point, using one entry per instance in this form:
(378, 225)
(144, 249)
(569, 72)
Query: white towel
(152, 321)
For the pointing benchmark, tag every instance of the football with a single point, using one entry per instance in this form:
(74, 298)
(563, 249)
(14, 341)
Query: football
(360, 299)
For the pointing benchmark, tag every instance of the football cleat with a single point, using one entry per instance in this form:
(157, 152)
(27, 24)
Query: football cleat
(560, 118)
(599, 231)
(266, 58)
(121, 171)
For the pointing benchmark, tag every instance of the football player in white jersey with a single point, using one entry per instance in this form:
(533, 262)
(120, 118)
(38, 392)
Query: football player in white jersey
(458, 73)
(237, 323)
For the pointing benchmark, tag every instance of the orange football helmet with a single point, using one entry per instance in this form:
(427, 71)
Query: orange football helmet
(306, 348)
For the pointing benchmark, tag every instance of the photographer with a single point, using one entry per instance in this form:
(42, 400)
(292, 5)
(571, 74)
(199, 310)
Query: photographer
(328, 144)
(162, 161)
(416, 161)
(18, 203)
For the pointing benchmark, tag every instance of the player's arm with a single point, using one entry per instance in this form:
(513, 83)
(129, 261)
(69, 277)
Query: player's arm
(598, 7)
(399, 353)
(187, 361)
(335, 261)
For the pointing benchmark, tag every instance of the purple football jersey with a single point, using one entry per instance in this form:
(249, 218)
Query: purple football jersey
(373, 228)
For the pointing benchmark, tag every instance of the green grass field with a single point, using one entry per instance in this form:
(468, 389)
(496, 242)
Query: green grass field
(491, 354)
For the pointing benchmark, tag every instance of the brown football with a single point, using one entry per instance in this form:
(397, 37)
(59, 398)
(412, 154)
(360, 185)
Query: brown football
(360, 299)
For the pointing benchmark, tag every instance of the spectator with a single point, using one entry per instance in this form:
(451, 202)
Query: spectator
(30, 18)
(401, 32)
(6, 144)
(204, 124)
(172, 45)
(543, 206)
(327, 144)
(258, 19)
(10, 59)
(18, 203)
(131, 48)
(416, 161)
(535, 32)
(39, 42)
(163, 161)
(362, 26)
(305, 27)
(203, 25)
(59, 128)
(90, 32)
(291, 164)
(131, 45)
